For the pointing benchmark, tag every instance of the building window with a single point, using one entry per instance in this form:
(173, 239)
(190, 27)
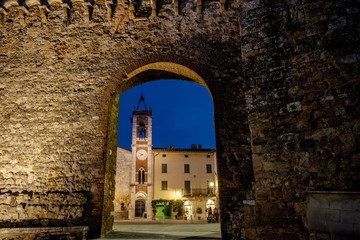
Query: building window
(163, 168)
(142, 130)
(141, 176)
(186, 168)
(207, 156)
(208, 168)
(186, 156)
(164, 155)
(163, 185)
(187, 187)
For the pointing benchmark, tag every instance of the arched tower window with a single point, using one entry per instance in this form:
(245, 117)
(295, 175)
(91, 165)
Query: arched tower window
(141, 176)
(142, 132)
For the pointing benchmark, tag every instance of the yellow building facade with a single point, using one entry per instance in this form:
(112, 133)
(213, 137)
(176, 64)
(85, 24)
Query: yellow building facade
(188, 174)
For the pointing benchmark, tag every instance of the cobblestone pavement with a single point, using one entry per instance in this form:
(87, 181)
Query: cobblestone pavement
(171, 229)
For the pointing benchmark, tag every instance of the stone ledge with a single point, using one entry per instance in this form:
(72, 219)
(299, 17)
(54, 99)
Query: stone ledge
(43, 230)
(334, 192)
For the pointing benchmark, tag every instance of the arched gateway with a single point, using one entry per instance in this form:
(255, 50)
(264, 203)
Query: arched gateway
(147, 69)
(284, 77)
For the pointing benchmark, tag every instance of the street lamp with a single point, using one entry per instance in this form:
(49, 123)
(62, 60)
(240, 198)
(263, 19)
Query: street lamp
(211, 187)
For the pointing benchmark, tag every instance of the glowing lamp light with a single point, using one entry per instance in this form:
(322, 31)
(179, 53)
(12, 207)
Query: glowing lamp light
(177, 193)
(211, 184)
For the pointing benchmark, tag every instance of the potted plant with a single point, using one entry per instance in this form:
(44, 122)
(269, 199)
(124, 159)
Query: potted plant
(177, 206)
(199, 211)
(153, 205)
(179, 213)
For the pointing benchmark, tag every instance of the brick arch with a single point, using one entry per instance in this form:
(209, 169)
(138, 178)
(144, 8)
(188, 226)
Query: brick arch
(146, 69)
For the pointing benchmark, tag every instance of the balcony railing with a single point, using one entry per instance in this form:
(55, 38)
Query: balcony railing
(198, 192)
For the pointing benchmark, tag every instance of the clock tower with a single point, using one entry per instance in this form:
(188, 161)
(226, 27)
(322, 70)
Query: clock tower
(141, 167)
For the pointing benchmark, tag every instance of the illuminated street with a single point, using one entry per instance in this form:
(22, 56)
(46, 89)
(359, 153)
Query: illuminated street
(165, 231)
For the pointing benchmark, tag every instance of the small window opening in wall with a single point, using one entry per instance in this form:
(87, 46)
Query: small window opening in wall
(187, 187)
(164, 185)
(208, 168)
(186, 155)
(141, 176)
(163, 168)
(164, 155)
(186, 168)
(207, 156)
(142, 130)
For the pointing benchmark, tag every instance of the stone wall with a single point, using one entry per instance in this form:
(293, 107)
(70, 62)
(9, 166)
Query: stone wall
(301, 66)
(41, 233)
(59, 74)
(122, 183)
(284, 76)
(333, 215)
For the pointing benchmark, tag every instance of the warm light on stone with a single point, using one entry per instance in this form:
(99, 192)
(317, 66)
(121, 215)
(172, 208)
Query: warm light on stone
(283, 76)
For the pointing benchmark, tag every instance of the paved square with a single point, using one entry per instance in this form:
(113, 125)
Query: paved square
(165, 231)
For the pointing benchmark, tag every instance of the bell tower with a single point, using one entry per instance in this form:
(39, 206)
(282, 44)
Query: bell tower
(141, 170)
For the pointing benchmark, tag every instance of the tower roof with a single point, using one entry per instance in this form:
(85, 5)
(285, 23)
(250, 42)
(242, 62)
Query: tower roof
(142, 100)
(141, 108)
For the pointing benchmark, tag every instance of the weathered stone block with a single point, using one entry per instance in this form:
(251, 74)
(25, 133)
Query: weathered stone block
(334, 213)
(273, 68)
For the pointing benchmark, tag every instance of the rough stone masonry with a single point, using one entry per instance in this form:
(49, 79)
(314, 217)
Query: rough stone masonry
(284, 77)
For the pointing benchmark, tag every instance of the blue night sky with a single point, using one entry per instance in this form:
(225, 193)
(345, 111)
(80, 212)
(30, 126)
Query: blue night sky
(182, 114)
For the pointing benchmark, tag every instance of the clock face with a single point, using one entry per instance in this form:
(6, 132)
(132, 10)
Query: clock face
(141, 154)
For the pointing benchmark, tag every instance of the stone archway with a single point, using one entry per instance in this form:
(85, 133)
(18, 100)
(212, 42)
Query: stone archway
(232, 180)
(144, 70)
(140, 204)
